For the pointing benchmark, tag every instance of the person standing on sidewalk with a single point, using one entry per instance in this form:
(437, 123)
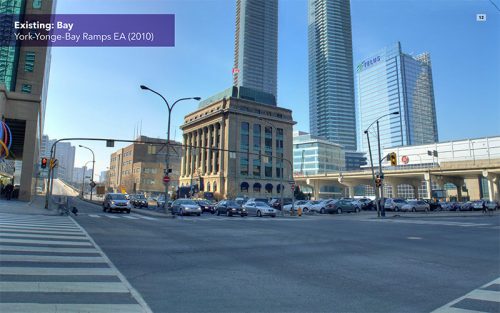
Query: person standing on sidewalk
(8, 191)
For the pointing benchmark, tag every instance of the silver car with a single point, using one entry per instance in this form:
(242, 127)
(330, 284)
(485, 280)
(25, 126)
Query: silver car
(116, 202)
(185, 207)
(258, 208)
(415, 205)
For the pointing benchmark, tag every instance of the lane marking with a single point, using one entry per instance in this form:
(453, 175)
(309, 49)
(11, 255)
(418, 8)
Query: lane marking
(414, 238)
(111, 216)
(50, 258)
(70, 308)
(145, 217)
(47, 249)
(57, 271)
(13, 286)
(45, 242)
(34, 225)
(131, 217)
(94, 215)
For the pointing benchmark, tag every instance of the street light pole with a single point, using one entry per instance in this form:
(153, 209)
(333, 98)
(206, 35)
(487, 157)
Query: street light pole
(83, 178)
(167, 157)
(93, 168)
(381, 190)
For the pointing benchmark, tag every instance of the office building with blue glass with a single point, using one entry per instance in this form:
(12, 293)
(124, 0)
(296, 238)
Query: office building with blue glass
(388, 81)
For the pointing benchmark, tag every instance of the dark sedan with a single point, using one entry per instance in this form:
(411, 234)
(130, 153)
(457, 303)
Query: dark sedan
(341, 206)
(230, 208)
(206, 206)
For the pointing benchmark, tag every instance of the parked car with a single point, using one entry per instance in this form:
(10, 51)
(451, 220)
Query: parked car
(298, 203)
(320, 207)
(139, 201)
(276, 202)
(230, 208)
(341, 206)
(416, 205)
(465, 206)
(259, 208)
(366, 204)
(478, 205)
(265, 200)
(116, 202)
(394, 204)
(206, 206)
(434, 205)
(492, 205)
(307, 207)
(185, 207)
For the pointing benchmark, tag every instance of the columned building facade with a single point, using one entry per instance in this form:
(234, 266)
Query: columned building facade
(251, 149)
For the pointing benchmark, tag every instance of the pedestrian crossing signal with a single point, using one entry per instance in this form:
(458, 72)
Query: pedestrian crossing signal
(378, 182)
(44, 163)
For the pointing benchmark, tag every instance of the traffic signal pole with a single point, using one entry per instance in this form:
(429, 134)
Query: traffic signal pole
(375, 187)
(381, 174)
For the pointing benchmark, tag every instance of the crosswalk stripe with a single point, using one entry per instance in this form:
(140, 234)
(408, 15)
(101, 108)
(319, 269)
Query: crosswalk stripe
(47, 249)
(486, 295)
(111, 216)
(50, 258)
(46, 236)
(36, 231)
(56, 271)
(131, 217)
(45, 242)
(477, 294)
(11, 286)
(72, 230)
(70, 308)
(94, 215)
(35, 225)
(420, 222)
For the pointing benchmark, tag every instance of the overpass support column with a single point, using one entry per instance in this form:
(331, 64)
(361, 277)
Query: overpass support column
(428, 185)
(394, 188)
(492, 185)
(351, 191)
(459, 192)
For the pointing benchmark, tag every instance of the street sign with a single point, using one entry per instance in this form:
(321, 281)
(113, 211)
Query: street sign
(166, 179)
(92, 184)
(405, 159)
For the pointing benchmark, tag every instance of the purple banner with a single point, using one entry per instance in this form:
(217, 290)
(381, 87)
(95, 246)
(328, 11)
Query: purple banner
(92, 30)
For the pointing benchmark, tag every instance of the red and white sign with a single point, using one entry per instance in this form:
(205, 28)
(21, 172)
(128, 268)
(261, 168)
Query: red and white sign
(405, 159)
(166, 179)
(236, 70)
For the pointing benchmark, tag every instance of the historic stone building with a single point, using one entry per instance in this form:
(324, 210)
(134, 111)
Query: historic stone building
(256, 137)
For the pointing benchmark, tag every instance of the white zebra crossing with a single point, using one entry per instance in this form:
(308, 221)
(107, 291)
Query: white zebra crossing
(427, 222)
(481, 295)
(49, 247)
(128, 217)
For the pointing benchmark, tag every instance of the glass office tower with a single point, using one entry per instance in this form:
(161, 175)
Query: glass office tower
(331, 78)
(389, 81)
(10, 11)
(256, 45)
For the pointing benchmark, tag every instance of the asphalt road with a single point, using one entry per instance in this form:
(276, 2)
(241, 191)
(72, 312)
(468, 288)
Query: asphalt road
(347, 263)
(314, 264)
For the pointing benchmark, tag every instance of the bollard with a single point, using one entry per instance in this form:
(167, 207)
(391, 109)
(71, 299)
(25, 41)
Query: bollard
(299, 211)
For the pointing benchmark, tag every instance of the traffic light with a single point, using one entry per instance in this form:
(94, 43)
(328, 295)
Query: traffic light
(53, 163)
(394, 159)
(44, 163)
(378, 181)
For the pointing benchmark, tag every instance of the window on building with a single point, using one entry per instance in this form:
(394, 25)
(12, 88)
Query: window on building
(29, 61)
(269, 188)
(215, 186)
(257, 187)
(256, 168)
(37, 4)
(208, 186)
(256, 137)
(26, 88)
(244, 187)
(244, 136)
(244, 166)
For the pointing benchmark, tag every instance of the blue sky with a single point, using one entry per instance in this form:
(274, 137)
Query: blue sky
(94, 92)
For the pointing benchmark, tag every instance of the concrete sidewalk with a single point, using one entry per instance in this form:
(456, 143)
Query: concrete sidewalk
(36, 207)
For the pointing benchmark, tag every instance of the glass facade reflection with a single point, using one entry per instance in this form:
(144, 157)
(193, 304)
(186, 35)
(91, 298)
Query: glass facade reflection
(388, 81)
(331, 79)
(10, 11)
(314, 155)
